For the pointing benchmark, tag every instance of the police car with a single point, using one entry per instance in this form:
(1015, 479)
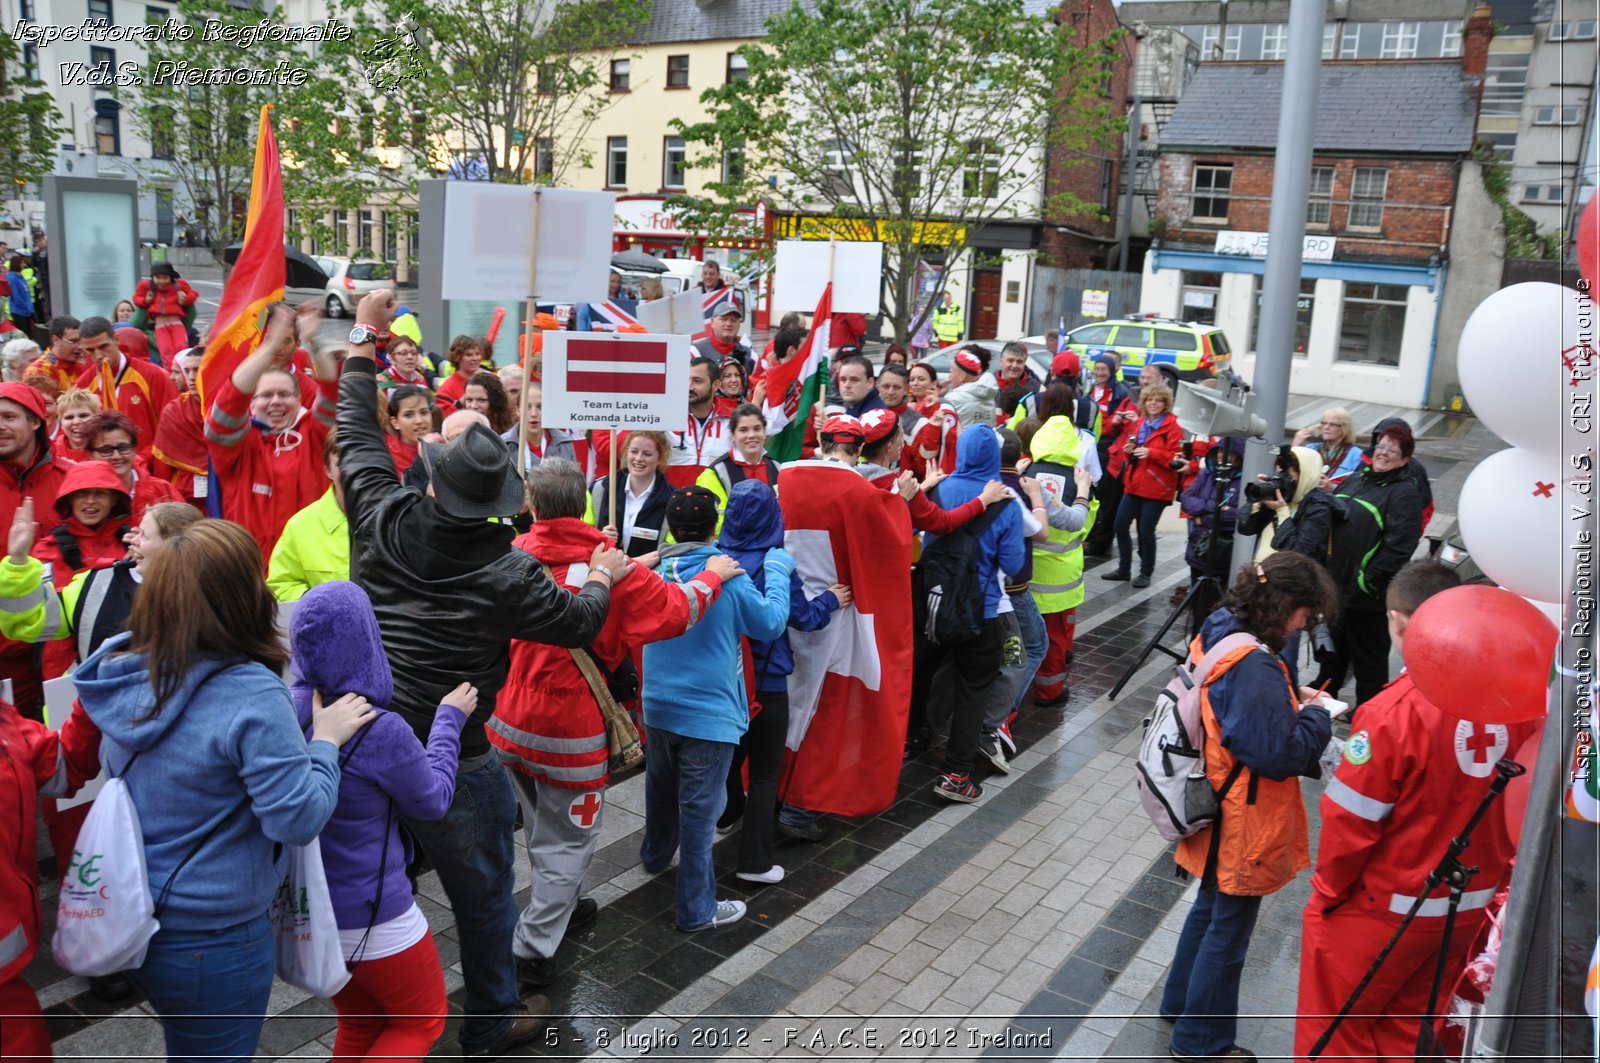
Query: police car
(1183, 350)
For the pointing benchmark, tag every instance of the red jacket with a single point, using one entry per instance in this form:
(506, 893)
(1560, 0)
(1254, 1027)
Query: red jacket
(926, 515)
(935, 441)
(180, 445)
(33, 757)
(98, 547)
(169, 300)
(1152, 476)
(847, 330)
(450, 392)
(267, 478)
(139, 389)
(1410, 779)
(149, 490)
(546, 700)
(39, 481)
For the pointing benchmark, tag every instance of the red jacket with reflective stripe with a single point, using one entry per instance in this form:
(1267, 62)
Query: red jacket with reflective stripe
(547, 723)
(1410, 779)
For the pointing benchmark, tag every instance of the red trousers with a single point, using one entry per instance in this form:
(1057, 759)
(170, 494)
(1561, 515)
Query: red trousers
(393, 1008)
(1052, 674)
(1335, 952)
(170, 339)
(23, 1037)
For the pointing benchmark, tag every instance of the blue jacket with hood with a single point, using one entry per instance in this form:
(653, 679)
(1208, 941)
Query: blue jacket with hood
(1002, 543)
(752, 524)
(695, 684)
(1252, 706)
(224, 767)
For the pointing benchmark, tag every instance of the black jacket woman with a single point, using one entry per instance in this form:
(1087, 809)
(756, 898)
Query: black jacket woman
(642, 493)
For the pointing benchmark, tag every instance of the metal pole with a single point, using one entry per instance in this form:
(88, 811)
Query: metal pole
(1286, 235)
(1131, 164)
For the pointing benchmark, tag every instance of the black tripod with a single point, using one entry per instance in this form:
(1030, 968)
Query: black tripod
(1452, 872)
(1207, 582)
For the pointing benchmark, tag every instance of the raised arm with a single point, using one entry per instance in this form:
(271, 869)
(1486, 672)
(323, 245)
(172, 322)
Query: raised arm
(366, 468)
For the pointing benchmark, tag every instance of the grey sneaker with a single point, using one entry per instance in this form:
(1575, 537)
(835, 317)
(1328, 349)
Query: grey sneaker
(727, 912)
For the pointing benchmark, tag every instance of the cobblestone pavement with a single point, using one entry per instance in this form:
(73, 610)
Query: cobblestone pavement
(1035, 924)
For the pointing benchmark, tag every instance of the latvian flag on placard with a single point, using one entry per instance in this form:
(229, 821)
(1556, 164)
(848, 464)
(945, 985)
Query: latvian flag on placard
(603, 365)
(795, 387)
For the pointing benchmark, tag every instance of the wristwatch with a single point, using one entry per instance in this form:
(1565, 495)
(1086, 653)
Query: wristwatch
(363, 334)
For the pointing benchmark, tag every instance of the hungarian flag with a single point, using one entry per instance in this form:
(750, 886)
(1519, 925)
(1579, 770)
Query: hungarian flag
(850, 693)
(796, 386)
(257, 278)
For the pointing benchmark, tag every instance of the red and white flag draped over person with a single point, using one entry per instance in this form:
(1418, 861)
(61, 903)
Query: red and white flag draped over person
(257, 278)
(796, 386)
(850, 694)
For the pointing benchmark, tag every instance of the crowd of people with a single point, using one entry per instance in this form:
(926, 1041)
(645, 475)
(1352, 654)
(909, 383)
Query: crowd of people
(390, 496)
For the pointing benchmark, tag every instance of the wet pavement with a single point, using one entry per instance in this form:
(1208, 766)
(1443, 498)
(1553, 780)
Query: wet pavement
(1035, 924)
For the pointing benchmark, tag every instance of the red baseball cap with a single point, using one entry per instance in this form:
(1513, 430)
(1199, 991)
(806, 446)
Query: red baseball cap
(879, 424)
(969, 361)
(1066, 364)
(843, 428)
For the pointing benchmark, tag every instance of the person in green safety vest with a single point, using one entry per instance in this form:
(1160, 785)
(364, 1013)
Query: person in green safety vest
(949, 323)
(1059, 451)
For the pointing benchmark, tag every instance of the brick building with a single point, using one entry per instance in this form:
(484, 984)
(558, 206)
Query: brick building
(1392, 143)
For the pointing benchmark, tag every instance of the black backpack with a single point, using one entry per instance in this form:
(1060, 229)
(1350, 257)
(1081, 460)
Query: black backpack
(954, 595)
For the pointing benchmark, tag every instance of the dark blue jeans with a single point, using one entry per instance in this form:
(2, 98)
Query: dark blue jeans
(685, 790)
(210, 988)
(1202, 990)
(1147, 511)
(474, 850)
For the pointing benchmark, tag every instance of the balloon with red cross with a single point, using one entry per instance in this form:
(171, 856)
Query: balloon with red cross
(1514, 511)
(1518, 357)
(1481, 653)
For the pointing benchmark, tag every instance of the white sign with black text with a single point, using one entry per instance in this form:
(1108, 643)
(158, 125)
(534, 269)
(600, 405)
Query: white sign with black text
(616, 380)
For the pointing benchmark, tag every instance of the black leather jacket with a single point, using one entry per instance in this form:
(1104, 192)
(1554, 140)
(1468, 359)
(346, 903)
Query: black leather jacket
(427, 572)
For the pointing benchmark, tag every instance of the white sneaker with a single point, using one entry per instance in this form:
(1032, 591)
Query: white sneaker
(768, 877)
(727, 912)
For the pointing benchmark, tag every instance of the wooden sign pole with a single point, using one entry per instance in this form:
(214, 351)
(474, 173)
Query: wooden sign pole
(616, 521)
(527, 339)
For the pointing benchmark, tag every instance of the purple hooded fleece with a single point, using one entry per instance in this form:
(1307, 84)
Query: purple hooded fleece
(334, 643)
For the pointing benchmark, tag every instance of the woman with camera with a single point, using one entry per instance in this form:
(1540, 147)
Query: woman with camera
(1293, 505)
(1261, 735)
(1149, 483)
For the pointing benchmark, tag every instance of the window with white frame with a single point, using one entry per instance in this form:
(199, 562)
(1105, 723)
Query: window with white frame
(673, 162)
(1542, 194)
(1557, 115)
(1275, 42)
(1505, 84)
(1231, 42)
(1209, 39)
(1572, 31)
(1212, 188)
(1451, 45)
(1330, 41)
(836, 182)
(980, 176)
(1367, 190)
(1319, 208)
(617, 162)
(1372, 323)
(1399, 40)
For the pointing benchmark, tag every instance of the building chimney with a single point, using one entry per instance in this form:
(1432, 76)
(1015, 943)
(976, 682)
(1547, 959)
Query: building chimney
(1475, 42)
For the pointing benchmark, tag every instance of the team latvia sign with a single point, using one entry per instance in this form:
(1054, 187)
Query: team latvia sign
(616, 380)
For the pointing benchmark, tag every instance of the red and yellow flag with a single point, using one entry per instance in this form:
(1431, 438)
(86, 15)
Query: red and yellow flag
(257, 279)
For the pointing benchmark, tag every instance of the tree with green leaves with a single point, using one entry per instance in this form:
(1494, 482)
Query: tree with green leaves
(501, 90)
(30, 125)
(913, 122)
(199, 117)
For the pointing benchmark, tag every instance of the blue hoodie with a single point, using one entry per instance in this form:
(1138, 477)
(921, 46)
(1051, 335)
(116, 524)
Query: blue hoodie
(752, 524)
(1002, 543)
(1252, 704)
(228, 760)
(336, 648)
(696, 681)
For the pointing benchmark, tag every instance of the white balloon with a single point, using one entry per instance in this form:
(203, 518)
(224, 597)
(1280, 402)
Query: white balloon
(1510, 361)
(1512, 512)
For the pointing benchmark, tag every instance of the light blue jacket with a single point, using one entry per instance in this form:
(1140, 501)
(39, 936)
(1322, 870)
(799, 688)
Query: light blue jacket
(695, 682)
(225, 767)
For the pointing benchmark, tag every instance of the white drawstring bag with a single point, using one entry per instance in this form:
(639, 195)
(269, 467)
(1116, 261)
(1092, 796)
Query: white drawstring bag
(106, 917)
(309, 953)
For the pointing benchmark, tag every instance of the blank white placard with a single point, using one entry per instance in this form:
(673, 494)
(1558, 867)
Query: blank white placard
(802, 270)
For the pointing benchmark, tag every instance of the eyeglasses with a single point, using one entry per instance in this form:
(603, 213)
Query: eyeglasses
(1332, 424)
(114, 450)
(1387, 448)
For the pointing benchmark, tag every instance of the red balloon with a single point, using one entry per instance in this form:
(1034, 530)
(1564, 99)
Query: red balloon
(1481, 653)
(1589, 241)
(1515, 798)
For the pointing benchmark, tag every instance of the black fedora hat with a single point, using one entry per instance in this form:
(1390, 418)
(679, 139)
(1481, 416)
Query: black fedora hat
(473, 475)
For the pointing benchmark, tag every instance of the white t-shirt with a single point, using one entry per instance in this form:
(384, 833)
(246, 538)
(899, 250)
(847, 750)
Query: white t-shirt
(386, 939)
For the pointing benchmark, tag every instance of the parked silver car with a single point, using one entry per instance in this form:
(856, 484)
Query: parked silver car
(348, 281)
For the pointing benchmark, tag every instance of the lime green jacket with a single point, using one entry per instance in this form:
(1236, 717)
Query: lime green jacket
(314, 548)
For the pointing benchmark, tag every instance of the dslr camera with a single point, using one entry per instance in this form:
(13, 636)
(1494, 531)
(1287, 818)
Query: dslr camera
(1264, 490)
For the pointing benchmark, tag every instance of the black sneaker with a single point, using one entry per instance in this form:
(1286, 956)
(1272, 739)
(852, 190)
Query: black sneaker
(584, 913)
(1120, 575)
(811, 832)
(536, 972)
(989, 749)
(958, 788)
(1141, 580)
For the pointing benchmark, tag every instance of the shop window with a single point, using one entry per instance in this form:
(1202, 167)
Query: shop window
(1304, 303)
(1372, 322)
(1200, 294)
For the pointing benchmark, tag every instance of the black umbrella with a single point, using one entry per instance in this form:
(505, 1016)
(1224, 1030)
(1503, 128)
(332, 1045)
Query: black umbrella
(638, 261)
(300, 269)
